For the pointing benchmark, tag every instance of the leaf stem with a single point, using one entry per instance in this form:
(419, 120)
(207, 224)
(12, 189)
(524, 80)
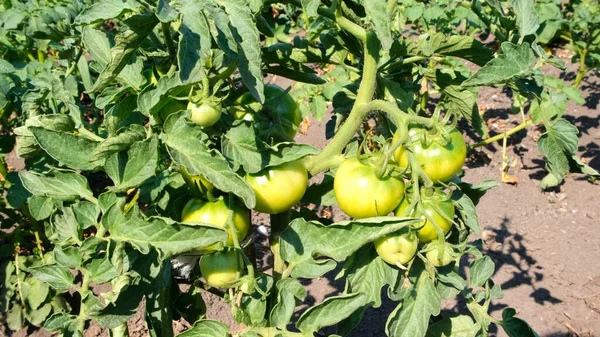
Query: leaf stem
(89, 134)
(3, 172)
(516, 129)
(74, 64)
(85, 286)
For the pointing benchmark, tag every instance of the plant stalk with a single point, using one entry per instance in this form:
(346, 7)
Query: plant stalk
(502, 135)
(581, 71)
(168, 39)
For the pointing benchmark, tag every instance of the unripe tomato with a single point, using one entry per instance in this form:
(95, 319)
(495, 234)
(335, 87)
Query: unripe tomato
(361, 194)
(221, 269)
(439, 162)
(198, 184)
(216, 214)
(440, 257)
(397, 248)
(277, 101)
(279, 188)
(205, 114)
(437, 206)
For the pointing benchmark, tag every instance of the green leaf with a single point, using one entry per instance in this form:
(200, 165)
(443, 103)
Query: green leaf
(206, 328)
(455, 326)
(141, 164)
(481, 270)
(34, 292)
(165, 13)
(55, 275)
(242, 147)
(100, 269)
(377, 13)
(464, 103)
(516, 327)
(14, 317)
(288, 290)
(411, 317)
(97, 45)
(514, 62)
(527, 19)
(165, 234)
(194, 43)
(310, 7)
(61, 321)
(248, 39)
(86, 213)
(104, 10)
(301, 242)
(64, 228)
(40, 207)
(558, 144)
(329, 312)
(69, 149)
(467, 211)
(185, 147)
(61, 186)
(552, 106)
(368, 274)
(461, 46)
(126, 45)
(69, 257)
(38, 316)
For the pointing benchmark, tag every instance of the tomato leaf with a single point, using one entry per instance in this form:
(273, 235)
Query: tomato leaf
(105, 9)
(288, 290)
(119, 142)
(558, 144)
(195, 42)
(411, 317)
(455, 326)
(380, 19)
(64, 228)
(367, 273)
(55, 275)
(248, 39)
(242, 147)
(302, 241)
(514, 62)
(166, 235)
(481, 270)
(516, 327)
(329, 312)
(71, 150)
(61, 186)
(140, 164)
(187, 150)
(527, 19)
(310, 6)
(206, 328)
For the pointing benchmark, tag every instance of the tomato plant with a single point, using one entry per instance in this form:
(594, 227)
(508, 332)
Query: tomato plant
(120, 190)
(360, 193)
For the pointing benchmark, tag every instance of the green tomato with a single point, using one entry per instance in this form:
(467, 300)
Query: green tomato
(361, 194)
(205, 114)
(216, 213)
(199, 185)
(439, 162)
(440, 257)
(397, 248)
(221, 269)
(437, 206)
(277, 102)
(279, 188)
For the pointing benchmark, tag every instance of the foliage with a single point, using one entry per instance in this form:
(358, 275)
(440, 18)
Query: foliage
(96, 94)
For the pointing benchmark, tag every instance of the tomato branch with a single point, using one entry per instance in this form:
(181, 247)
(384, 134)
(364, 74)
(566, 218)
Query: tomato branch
(516, 129)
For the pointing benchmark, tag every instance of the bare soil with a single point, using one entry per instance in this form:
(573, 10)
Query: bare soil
(545, 245)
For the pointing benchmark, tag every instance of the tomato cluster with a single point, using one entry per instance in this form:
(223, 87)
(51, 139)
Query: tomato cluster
(363, 188)
(277, 188)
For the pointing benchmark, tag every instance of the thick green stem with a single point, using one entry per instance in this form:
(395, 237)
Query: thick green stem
(3, 171)
(350, 26)
(503, 135)
(74, 64)
(85, 286)
(279, 223)
(89, 134)
(168, 39)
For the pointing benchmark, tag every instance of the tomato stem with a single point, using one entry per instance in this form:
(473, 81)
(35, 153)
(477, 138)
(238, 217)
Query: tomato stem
(581, 71)
(516, 129)
(168, 39)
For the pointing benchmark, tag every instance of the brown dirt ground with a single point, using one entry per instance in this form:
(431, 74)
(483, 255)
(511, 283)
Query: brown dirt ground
(545, 245)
